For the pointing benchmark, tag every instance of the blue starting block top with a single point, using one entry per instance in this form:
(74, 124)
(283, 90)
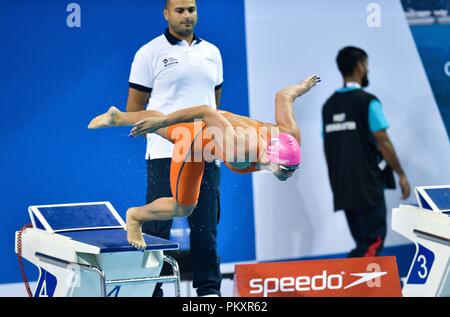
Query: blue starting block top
(115, 240)
(83, 216)
(96, 224)
(73, 217)
(435, 198)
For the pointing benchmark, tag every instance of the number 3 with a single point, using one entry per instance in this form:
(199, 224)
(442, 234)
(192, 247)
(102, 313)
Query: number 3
(423, 262)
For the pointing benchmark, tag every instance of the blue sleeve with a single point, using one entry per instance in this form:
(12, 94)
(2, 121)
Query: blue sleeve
(377, 120)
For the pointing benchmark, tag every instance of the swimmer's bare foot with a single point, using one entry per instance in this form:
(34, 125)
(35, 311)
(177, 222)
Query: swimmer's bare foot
(106, 120)
(295, 91)
(134, 230)
(307, 84)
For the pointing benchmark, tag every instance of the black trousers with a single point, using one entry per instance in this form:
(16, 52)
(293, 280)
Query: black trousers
(202, 222)
(368, 228)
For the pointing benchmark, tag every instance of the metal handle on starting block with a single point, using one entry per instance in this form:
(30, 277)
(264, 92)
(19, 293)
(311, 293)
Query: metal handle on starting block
(175, 278)
(176, 272)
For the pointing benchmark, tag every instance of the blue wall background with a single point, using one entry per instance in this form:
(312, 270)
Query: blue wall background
(433, 44)
(56, 78)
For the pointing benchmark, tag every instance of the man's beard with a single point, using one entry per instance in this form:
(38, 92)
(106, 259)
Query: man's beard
(365, 81)
(182, 31)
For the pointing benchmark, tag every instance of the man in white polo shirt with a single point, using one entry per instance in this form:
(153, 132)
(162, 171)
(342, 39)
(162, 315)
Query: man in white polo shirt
(174, 70)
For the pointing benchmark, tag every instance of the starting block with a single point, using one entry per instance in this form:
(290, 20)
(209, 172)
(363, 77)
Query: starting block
(82, 250)
(428, 226)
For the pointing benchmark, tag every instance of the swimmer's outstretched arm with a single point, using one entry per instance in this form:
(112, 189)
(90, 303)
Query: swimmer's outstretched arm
(284, 105)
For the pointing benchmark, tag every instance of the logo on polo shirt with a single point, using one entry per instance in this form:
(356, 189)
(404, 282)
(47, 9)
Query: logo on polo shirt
(169, 61)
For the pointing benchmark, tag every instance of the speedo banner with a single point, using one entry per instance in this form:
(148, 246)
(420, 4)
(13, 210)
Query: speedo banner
(353, 277)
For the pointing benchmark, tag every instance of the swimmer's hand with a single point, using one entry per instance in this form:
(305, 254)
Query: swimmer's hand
(148, 125)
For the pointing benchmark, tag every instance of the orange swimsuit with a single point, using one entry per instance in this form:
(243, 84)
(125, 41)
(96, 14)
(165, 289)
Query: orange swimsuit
(188, 162)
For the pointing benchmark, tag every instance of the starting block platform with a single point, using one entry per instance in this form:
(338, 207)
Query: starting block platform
(428, 226)
(82, 250)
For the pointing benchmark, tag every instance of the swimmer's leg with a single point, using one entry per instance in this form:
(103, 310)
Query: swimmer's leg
(161, 209)
(185, 181)
(284, 105)
(115, 118)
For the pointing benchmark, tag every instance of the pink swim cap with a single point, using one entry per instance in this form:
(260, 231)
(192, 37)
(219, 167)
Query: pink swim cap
(284, 150)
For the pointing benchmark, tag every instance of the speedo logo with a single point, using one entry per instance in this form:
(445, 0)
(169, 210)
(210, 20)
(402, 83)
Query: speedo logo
(324, 281)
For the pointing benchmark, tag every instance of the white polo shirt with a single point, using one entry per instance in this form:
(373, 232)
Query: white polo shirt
(177, 76)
